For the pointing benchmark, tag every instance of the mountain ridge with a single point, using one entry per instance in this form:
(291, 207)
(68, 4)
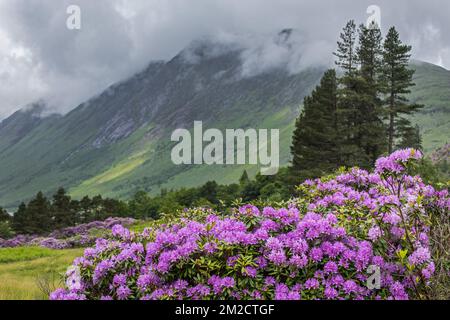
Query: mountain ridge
(118, 142)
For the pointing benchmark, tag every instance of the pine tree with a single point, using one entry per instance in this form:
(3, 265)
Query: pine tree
(20, 221)
(346, 51)
(85, 210)
(372, 138)
(314, 146)
(369, 53)
(62, 210)
(350, 99)
(396, 80)
(38, 215)
(359, 117)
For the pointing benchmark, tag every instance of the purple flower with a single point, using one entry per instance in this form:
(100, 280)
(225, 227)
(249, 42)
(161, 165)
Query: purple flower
(421, 255)
(375, 233)
(398, 291)
(312, 284)
(316, 254)
(330, 293)
(120, 280)
(123, 292)
(277, 257)
(330, 267)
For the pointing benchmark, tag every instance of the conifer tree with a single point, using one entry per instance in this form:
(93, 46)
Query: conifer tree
(314, 146)
(20, 221)
(38, 215)
(346, 51)
(396, 81)
(85, 213)
(372, 135)
(62, 210)
(350, 99)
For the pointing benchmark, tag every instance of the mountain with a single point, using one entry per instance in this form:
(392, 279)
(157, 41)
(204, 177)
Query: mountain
(119, 141)
(21, 123)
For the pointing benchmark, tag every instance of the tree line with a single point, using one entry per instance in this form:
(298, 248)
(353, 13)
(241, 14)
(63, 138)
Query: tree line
(42, 215)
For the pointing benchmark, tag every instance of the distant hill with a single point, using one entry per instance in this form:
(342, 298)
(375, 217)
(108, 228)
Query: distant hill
(433, 91)
(119, 141)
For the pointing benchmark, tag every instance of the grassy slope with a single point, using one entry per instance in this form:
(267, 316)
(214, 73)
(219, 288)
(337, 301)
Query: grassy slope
(22, 268)
(120, 181)
(140, 163)
(433, 91)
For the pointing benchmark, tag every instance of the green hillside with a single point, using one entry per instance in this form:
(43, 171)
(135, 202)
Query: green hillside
(433, 91)
(119, 141)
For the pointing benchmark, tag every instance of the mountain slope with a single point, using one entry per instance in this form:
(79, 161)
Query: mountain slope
(119, 141)
(433, 91)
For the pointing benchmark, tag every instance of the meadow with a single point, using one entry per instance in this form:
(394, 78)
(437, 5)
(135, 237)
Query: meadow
(32, 272)
(28, 273)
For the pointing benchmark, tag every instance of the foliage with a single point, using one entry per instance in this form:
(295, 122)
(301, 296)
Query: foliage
(41, 216)
(24, 270)
(343, 120)
(396, 81)
(5, 230)
(315, 140)
(4, 215)
(72, 237)
(319, 246)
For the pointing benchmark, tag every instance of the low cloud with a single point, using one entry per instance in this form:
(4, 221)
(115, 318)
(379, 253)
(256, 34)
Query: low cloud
(41, 58)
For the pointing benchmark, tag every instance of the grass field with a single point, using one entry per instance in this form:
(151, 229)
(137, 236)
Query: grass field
(28, 273)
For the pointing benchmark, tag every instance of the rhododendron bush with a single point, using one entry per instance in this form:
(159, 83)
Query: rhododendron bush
(82, 235)
(324, 245)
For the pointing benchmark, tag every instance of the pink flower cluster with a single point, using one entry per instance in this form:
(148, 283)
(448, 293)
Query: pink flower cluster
(321, 246)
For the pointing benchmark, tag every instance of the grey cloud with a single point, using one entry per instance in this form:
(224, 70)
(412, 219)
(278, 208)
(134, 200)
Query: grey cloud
(41, 58)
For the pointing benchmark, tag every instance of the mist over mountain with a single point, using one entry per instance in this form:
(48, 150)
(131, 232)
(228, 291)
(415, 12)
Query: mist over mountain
(118, 142)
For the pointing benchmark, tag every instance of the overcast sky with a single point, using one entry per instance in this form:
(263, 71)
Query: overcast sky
(41, 58)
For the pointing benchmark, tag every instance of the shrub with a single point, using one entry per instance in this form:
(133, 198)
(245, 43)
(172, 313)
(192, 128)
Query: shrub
(5, 230)
(319, 247)
(82, 235)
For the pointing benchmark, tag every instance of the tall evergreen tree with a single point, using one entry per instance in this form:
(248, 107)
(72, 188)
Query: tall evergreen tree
(85, 213)
(314, 146)
(39, 215)
(369, 53)
(350, 99)
(346, 52)
(372, 137)
(20, 221)
(396, 80)
(62, 210)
